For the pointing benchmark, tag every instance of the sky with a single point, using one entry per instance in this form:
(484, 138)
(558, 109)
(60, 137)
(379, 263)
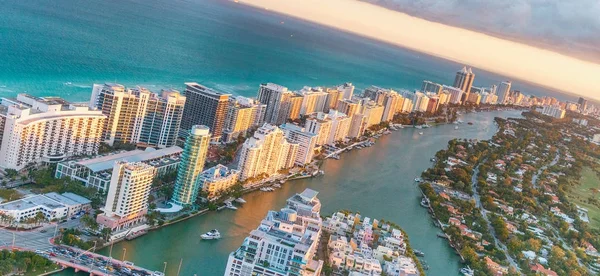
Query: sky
(543, 66)
(570, 27)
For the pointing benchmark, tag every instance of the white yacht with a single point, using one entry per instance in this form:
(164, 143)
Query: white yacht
(211, 235)
(240, 200)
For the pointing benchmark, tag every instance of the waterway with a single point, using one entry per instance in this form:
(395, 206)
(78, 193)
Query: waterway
(376, 181)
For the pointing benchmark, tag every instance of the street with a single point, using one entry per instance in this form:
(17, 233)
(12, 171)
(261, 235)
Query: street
(34, 239)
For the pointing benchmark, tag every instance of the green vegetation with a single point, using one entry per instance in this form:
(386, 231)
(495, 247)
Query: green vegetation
(24, 262)
(44, 182)
(10, 194)
(586, 195)
(71, 237)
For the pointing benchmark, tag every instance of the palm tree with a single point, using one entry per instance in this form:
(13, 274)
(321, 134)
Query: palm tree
(39, 217)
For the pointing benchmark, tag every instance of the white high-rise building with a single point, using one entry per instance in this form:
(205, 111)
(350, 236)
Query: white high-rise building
(504, 92)
(127, 198)
(47, 129)
(242, 114)
(306, 141)
(357, 126)
(139, 115)
(554, 111)
(420, 102)
(390, 106)
(340, 126)
(267, 152)
(455, 94)
(373, 113)
(286, 240)
(313, 100)
(319, 124)
(407, 106)
(347, 90)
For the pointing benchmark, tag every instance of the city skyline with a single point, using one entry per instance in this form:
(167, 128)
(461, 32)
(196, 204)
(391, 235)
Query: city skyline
(512, 59)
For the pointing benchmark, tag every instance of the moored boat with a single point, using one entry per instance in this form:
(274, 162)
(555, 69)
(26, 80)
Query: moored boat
(419, 253)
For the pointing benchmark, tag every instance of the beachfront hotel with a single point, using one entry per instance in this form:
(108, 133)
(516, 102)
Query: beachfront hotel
(191, 166)
(242, 114)
(284, 243)
(204, 106)
(96, 172)
(127, 198)
(267, 152)
(217, 179)
(138, 115)
(49, 129)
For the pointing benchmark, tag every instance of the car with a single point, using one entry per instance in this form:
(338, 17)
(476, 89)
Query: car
(52, 254)
(39, 252)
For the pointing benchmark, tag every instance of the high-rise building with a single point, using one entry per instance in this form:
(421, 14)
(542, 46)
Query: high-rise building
(267, 152)
(376, 94)
(319, 124)
(277, 99)
(504, 92)
(373, 113)
(295, 106)
(347, 90)
(191, 165)
(390, 106)
(306, 141)
(217, 180)
(474, 98)
(314, 100)
(455, 94)
(48, 129)
(127, 198)
(357, 126)
(138, 115)
(432, 87)
(407, 106)
(340, 126)
(420, 101)
(444, 97)
(204, 106)
(464, 81)
(241, 116)
(286, 240)
(348, 107)
(582, 104)
(333, 97)
(432, 105)
(554, 111)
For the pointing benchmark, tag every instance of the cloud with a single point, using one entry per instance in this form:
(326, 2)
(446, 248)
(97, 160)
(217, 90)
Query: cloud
(571, 27)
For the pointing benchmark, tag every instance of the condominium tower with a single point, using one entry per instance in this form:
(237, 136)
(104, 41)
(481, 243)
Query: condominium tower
(277, 99)
(464, 81)
(204, 106)
(47, 129)
(504, 92)
(138, 115)
(285, 242)
(267, 152)
(127, 198)
(192, 163)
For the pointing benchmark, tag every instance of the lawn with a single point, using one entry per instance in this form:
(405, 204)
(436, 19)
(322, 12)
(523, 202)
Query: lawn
(589, 185)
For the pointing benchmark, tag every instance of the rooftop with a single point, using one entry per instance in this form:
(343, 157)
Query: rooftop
(107, 162)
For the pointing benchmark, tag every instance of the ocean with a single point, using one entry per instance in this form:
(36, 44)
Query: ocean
(62, 47)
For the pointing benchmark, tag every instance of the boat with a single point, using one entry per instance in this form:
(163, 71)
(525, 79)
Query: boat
(418, 179)
(277, 186)
(455, 127)
(442, 235)
(467, 271)
(211, 235)
(421, 133)
(229, 205)
(282, 181)
(134, 235)
(240, 200)
(419, 127)
(425, 203)
(419, 253)
(426, 267)
(469, 123)
(433, 159)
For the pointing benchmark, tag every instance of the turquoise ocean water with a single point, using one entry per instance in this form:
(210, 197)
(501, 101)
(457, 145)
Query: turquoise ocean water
(62, 47)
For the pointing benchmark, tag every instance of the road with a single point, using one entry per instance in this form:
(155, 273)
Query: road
(484, 215)
(534, 179)
(34, 239)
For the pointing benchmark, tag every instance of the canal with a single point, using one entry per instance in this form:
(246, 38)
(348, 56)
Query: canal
(375, 181)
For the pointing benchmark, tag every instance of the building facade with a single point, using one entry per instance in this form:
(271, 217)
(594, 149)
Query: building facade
(284, 244)
(127, 198)
(217, 180)
(47, 129)
(277, 99)
(307, 142)
(204, 106)
(464, 81)
(191, 166)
